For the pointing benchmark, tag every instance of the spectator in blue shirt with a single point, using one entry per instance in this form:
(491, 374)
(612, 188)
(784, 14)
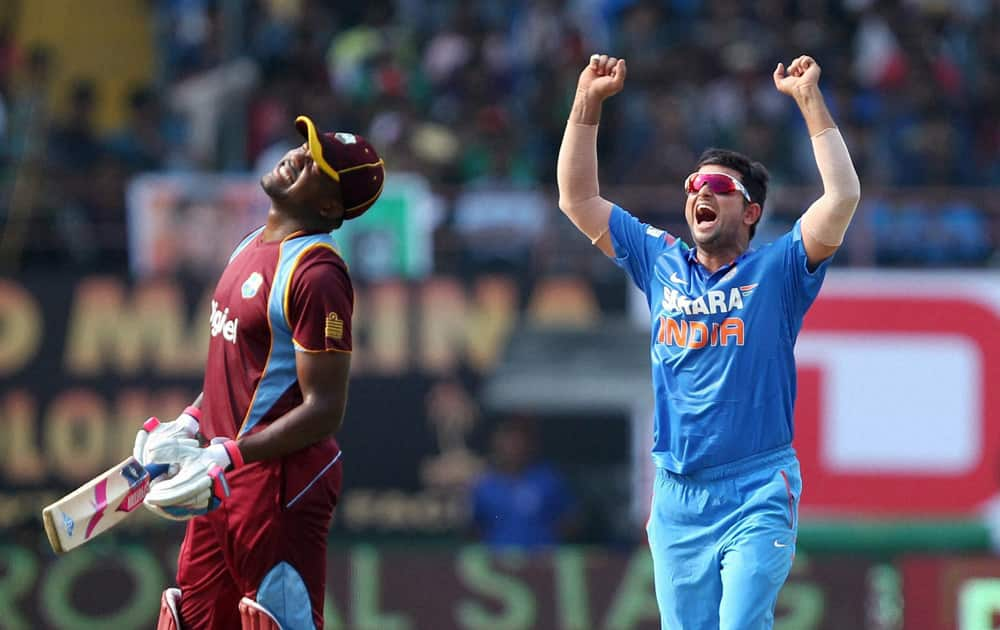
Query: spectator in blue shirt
(521, 501)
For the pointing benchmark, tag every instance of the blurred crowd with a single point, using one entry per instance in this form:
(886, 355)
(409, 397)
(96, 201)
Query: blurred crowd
(474, 95)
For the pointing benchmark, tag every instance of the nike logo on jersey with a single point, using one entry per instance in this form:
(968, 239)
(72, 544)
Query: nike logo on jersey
(221, 324)
(780, 545)
(676, 279)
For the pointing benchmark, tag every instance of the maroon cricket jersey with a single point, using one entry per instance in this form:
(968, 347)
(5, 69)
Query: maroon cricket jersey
(273, 299)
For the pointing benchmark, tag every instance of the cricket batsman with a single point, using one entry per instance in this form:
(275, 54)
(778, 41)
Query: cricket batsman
(725, 316)
(259, 499)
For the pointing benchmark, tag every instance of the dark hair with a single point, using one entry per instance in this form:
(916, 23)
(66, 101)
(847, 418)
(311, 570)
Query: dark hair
(753, 174)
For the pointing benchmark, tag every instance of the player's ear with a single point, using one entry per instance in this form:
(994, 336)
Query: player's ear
(751, 213)
(330, 210)
(332, 213)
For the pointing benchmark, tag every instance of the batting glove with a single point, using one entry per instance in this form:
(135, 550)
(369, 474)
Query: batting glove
(167, 442)
(199, 486)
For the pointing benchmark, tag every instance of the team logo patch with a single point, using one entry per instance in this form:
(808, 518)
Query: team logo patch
(346, 138)
(334, 327)
(251, 285)
(658, 233)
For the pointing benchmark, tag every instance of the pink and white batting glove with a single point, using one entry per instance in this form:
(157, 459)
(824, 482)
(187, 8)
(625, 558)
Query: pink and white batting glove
(168, 442)
(199, 486)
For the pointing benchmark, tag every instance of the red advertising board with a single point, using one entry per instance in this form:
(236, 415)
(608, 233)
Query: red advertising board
(898, 408)
(950, 593)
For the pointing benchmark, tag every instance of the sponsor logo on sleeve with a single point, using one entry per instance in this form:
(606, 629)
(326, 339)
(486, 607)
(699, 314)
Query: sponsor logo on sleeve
(658, 233)
(334, 327)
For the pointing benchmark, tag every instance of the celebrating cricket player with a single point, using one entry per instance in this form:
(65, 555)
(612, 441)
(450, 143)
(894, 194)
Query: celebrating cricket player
(260, 498)
(725, 317)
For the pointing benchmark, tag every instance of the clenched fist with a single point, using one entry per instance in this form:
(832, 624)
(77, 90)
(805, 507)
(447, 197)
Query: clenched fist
(802, 73)
(604, 76)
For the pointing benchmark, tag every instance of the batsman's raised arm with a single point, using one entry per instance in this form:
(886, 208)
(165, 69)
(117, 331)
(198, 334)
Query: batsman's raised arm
(579, 192)
(825, 222)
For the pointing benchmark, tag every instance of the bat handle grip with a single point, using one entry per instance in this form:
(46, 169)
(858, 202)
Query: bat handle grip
(155, 470)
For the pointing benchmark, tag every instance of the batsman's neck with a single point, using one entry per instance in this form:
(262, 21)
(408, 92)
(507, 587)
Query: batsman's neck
(280, 225)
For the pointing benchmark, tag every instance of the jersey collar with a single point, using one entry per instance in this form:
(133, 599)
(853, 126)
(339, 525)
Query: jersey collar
(692, 257)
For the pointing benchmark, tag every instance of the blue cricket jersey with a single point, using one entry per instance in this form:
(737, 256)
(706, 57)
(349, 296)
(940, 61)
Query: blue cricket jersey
(721, 343)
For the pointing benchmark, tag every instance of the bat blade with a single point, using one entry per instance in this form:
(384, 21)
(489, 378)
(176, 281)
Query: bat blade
(97, 506)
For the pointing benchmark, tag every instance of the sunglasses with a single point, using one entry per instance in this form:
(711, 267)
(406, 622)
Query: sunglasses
(718, 183)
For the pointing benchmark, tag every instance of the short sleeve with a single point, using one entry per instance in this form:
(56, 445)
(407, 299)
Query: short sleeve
(637, 245)
(802, 285)
(321, 303)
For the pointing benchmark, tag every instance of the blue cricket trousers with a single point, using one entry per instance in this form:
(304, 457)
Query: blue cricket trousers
(723, 540)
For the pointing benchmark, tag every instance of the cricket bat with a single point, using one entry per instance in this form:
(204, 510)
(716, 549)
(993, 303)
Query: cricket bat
(98, 505)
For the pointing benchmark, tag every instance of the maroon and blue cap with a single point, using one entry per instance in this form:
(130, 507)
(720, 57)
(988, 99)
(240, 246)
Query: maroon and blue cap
(350, 160)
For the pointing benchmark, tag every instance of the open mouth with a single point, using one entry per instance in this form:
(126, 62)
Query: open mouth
(287, 172)
(704, 214)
